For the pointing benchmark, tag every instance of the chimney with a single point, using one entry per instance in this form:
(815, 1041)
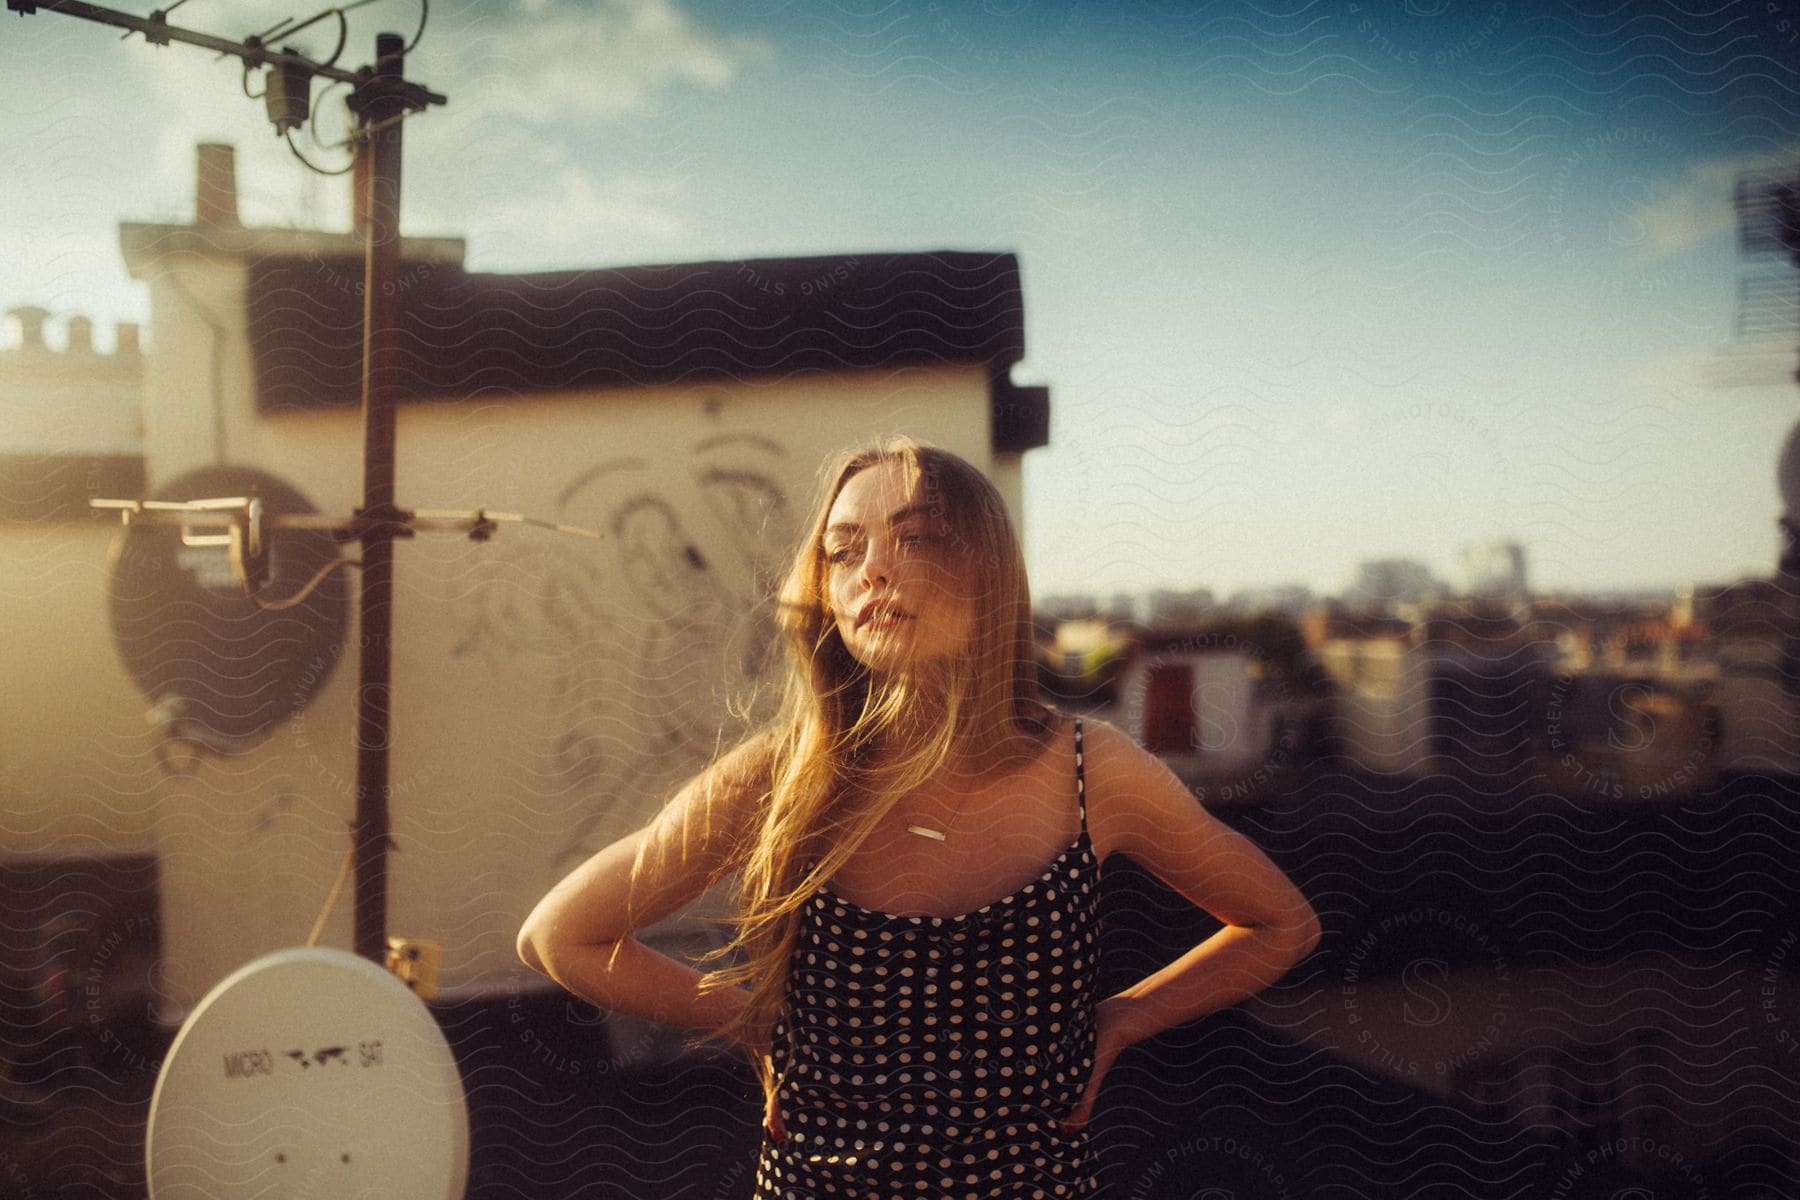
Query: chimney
(31, 320)
(81, 335)
(125, 339)
(215, 184)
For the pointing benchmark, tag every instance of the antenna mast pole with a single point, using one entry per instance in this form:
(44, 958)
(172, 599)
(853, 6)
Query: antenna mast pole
(379, 107)
(381, 100)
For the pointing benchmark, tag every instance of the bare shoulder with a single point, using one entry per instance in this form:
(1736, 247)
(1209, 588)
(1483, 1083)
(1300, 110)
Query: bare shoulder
(1113, 759)
(1138, 806)
(1134, 800)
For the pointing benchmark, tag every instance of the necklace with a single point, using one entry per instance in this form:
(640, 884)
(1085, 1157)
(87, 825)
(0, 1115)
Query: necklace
(939, 835)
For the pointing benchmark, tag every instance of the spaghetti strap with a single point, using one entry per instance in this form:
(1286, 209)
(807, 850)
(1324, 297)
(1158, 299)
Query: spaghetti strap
(1080, 779)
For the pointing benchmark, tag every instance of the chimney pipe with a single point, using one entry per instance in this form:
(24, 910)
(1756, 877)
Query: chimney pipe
(31, 320)
(215, 184)
(81, 335)
(125, 339)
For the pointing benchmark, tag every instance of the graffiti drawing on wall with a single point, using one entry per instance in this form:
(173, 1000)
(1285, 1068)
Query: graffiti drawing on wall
(654, 641)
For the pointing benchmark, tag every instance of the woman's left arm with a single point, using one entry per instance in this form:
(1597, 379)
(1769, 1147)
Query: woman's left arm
(1138, 807)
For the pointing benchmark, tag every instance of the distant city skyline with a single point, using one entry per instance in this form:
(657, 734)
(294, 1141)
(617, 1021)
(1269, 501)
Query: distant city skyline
(1293, 597)
(1309, 289)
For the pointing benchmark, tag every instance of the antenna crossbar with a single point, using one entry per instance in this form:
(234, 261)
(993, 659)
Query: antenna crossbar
(252, 50)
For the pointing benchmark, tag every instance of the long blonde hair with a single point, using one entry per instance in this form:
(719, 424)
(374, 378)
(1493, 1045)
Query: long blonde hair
(845, 745)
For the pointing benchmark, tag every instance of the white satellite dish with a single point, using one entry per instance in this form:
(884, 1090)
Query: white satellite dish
(309, 1073)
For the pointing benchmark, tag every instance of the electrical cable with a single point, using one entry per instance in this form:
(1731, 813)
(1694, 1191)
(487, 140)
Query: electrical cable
(343, 37)
(306, 589)
(424, 11)
(312, 122)
(343, 28)
(288, 134)
(337, 889)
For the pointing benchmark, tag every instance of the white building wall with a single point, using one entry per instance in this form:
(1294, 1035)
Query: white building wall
(76, 758)
(75, 775)
(1383, 703)
(1231, 727)
(58, 407)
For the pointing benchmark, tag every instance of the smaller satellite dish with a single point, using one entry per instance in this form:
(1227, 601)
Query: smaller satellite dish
(215, 666)
(309, 1072)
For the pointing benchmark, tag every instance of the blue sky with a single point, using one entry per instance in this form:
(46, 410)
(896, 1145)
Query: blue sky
(1311, 283)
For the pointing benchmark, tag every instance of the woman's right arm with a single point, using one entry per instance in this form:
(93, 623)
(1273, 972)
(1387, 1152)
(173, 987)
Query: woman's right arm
(580, 932)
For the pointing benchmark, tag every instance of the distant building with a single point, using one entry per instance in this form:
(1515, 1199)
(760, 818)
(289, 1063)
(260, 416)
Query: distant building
(1632, 711)
(72, 429)
(1072, 606)
(1378, 703)
(1552, 700)
(1121, 608)
(71, 723)
(1383, 583)
(73, 420)
(1225, 705)
(1290, 598)
(1645, 636)
(1168, 607)
(1442, 696)
(1495, 570)
(1755, 625)
(1627, 735)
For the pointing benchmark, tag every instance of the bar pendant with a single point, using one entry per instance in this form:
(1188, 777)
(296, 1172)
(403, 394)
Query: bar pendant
(935, 835)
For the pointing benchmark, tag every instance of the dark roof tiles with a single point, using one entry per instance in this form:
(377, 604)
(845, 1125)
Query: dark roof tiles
(468, 334)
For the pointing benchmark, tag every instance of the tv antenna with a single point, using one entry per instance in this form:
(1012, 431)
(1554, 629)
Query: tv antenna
(381, 99)
(1767, 201)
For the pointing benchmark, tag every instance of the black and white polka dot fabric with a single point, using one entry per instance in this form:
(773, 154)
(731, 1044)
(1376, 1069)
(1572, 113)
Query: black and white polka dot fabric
(935, 1056)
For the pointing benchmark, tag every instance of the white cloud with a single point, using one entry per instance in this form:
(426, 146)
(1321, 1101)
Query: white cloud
(558, 65)
(544, 65)
(571, 218)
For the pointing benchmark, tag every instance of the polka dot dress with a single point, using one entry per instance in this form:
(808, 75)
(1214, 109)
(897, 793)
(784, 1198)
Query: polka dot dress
(935, 1056)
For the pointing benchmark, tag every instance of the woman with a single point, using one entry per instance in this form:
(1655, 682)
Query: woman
(916, 839)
